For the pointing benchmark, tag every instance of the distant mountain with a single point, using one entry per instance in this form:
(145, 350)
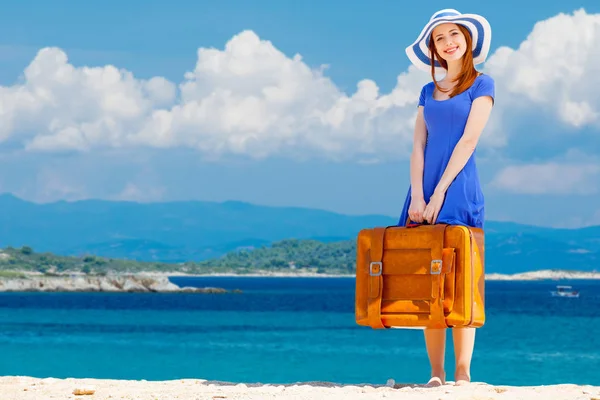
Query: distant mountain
(196, 231)
(170, 232)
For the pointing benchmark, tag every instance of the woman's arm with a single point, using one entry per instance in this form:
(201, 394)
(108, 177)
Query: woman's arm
(478, 117)
(417, 157)
(417, 161)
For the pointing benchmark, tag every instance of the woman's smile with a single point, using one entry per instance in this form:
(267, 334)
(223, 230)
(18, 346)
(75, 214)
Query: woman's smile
(451, 50)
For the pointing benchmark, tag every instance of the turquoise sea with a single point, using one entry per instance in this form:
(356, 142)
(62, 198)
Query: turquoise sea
(284, 330)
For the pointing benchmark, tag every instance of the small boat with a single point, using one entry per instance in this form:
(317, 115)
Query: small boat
(564, 291)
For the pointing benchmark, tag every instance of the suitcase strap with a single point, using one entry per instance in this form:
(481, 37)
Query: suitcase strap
(376, 278)
(437, 272)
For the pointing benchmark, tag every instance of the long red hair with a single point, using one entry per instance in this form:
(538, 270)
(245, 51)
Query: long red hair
(467, 74)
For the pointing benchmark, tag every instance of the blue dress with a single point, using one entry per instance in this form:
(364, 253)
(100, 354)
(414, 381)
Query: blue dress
(446, 121)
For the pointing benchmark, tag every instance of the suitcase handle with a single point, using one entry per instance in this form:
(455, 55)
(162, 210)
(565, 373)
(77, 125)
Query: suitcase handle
(410, 224)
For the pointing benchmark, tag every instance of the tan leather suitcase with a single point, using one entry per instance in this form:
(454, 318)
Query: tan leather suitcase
(427, 276)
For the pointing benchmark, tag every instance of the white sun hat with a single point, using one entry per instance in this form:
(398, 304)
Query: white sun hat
(478, 26)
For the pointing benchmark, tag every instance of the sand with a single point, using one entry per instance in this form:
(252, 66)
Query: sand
(16, 387)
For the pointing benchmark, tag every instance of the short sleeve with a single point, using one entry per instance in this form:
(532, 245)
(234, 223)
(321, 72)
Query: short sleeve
(423, 96)
(484, 87)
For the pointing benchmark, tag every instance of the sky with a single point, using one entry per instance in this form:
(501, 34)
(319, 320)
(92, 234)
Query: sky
(307, 104)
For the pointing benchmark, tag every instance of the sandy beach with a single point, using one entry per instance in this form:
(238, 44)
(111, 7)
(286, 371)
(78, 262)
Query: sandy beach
(13, 388)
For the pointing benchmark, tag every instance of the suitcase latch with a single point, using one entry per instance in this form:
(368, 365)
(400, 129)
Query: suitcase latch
(375, 268)
(436, 267)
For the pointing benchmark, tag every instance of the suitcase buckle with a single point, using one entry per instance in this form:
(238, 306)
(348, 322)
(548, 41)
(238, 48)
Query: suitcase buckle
(377, 270)
(436, 267)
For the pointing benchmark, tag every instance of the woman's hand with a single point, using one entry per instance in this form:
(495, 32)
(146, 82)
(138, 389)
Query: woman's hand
(415, 211)
(433, 208)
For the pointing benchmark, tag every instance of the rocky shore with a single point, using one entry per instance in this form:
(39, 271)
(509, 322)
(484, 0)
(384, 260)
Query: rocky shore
(90, 283)
(544, 275)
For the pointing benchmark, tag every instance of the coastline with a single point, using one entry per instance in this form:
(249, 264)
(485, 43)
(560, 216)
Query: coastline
(523, 276)
(111, 283)
(29, 388)
(544, 275)
(161, 278)
(263, 274)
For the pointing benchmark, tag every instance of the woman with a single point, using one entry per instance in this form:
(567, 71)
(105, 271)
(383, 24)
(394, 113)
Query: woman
(452, 113)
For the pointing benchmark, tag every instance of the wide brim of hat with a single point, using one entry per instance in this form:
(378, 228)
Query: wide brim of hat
(480, 29)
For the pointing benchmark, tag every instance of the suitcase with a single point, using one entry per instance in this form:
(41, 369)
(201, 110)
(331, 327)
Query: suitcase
(425, 276)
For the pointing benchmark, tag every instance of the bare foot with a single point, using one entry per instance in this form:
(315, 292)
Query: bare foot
(437, 379)
(461, 379)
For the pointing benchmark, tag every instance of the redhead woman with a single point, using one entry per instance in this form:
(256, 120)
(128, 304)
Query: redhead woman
(444, 181)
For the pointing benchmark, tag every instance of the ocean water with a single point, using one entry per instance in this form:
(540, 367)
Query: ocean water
(285, 330)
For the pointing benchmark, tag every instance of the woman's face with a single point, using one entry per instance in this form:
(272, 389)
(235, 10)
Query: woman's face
(450, 43)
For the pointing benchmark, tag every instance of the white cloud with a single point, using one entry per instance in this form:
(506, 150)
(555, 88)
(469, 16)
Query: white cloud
(49, 184)
(250, 98)
(554, 69)
(549, 178)
(59, 106)
(589, 218)
(133, 192)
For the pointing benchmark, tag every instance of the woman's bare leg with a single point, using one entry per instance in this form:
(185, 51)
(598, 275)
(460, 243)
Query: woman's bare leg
(435, 342)
(464, 342)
